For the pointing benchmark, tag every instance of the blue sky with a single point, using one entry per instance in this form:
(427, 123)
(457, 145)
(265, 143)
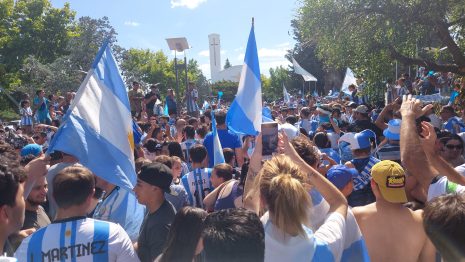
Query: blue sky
(147, 23)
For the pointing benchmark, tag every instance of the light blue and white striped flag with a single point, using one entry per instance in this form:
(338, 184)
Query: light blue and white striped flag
(218, 157)
(98, 128)
(245, 114)
(287, 97)
(354, 248)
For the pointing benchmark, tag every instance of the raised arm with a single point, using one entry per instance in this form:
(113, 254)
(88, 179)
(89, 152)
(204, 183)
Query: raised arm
(412, 155)
(251, 193)
(444, 168)
(336, 200)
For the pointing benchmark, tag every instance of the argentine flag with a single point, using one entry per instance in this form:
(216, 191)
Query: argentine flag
(218, 157)
(354, 247)
(98, 128)
(245, 114)
(287, 97)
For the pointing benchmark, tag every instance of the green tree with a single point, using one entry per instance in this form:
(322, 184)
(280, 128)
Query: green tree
(369, 36)
(31, 28)
(227, 64)
(279, 76)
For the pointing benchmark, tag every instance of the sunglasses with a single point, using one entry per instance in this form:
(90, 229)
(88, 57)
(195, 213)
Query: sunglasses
(35, 137)
(458, 147)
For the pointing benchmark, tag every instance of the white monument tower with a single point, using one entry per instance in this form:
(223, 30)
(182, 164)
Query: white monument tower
(215, 57)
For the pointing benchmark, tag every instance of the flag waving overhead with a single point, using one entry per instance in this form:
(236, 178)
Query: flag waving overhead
(287, 97)
(245, 114)
(349, 79)
(300, 71)
(218, 157)
(98, 128)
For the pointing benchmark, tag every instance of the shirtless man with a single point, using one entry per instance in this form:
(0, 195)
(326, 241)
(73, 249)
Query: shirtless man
(392, 232)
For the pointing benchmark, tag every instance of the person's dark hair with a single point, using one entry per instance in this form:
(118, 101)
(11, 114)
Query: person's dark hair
(26, 159)
(23, 103)
(362, 151)
(140, 162)
(220, 117)
(233, 235)
(291, 120)
(151, 145)
(38, 91)
(207, 114)
(443, 220)
(321, 140)
(202, 131)
(191, 121)
(198, 153)
(228, 154)
(11, 175)
(66, 183)
(166, 160)
(450, 109)
(174, 149)
(224, 171)
(155, 132)
(189, 131)
(305, 149)
(305, 111)
(446, 139)
(185, 233)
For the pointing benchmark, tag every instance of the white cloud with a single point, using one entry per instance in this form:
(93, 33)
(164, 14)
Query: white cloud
(223, 52)
(205, 70)
(272, 52)
(286, 45)
(131, 23)
(205, 53)
(191, 4)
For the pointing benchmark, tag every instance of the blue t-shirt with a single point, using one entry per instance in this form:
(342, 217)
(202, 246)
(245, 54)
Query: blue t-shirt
(228, 139)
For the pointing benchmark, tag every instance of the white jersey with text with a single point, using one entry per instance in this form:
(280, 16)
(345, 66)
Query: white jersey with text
(197, 184)
(77, 239)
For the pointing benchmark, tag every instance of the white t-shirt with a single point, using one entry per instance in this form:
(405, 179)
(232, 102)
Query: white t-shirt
(326, 244)
(461, 169)
(444, 186)
(81, 239)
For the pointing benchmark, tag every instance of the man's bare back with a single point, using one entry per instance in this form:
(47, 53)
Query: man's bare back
(394, 233)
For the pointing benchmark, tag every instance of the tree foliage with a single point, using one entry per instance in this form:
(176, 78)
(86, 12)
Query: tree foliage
(46, 47)
(227, 64)
(369, 35)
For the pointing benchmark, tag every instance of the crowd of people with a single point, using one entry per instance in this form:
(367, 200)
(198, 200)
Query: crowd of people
(348, 182)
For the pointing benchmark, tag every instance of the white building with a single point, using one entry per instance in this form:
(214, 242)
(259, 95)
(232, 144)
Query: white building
(217, 74)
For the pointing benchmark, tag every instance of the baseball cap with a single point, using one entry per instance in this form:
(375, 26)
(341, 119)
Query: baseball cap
(341, 175)
(363, 109)
(393, 130)
(31, 149)
(358, 140)
(390, 177)
(156, 174)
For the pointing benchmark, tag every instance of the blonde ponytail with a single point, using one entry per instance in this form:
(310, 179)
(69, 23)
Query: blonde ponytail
(287, 200)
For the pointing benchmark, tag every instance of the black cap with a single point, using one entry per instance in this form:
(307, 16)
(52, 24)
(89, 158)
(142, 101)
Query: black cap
(156, 174)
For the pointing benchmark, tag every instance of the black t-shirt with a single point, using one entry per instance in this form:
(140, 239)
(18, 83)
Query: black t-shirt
(360, 125)
(151, 104)
(33, 219)
(154, 232)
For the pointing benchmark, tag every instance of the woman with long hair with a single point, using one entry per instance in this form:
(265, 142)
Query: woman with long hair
(183, 242)
(283, 185)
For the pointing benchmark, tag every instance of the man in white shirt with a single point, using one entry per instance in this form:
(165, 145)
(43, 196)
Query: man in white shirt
(72, 236)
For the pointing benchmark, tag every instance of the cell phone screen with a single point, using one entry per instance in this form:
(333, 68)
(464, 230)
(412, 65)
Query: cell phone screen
(269, 138)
